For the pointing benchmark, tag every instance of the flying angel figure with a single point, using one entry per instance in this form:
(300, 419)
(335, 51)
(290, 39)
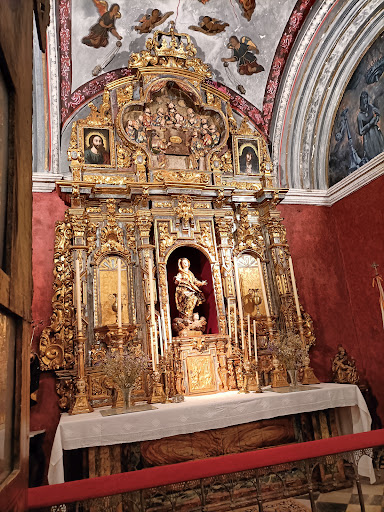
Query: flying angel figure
(150, 21)
(210, 26)
(243, 53)
(99, 33)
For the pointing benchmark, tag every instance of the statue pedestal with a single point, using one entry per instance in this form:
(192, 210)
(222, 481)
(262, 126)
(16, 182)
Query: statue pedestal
(203, 362)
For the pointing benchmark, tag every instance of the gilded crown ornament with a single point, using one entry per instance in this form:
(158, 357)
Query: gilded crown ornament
(172, 50)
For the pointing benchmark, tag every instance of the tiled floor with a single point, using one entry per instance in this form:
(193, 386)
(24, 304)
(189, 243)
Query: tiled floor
(347, 500)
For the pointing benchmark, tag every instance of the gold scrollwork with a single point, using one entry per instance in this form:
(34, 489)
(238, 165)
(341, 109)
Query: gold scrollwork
(56, 341)
(181, 176)
(124, 156)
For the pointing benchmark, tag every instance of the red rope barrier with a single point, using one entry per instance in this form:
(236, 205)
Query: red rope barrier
(102, 486)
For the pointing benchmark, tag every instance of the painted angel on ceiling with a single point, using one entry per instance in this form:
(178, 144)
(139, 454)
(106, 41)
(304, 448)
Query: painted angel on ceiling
(248, 7)
(149, 21)
(243, 54)
(98, 36)
(210, 26)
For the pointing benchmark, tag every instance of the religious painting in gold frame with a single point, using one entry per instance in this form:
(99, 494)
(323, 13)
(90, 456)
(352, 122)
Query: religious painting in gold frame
(98, 146)
(105, 291)
(250, 285)
(201, 374)
(246, 155)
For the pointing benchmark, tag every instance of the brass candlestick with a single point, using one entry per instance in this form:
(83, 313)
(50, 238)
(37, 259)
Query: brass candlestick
(82, 404)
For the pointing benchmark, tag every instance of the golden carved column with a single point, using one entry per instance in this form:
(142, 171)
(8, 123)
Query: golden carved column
(81, 404)
(224, 231)
(145, 249)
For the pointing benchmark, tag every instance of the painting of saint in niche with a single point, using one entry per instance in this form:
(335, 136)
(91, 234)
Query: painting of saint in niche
(248, 159)
(357, 134)
(96, 147)
(98, 36)
(178, 133)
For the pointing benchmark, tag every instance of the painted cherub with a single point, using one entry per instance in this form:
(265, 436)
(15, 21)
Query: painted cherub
(210, 26)
(150, 21)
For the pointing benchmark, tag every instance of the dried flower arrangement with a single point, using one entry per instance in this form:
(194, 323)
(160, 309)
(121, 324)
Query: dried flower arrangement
(290, 351)
(125, 369)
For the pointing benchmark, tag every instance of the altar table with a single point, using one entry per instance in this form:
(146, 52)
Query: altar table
(200, 413)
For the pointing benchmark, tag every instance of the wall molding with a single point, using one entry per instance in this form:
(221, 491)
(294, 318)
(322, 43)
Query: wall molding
(355, 181)
(45, 182)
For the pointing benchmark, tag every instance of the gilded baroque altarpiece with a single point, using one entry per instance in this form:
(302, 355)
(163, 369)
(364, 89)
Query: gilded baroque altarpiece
(159, 191)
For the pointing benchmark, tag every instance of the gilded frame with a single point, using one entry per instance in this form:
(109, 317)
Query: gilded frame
(107, 135)
(243, 144)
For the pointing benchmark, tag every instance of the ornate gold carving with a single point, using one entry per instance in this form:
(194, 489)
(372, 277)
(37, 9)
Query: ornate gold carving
(131, 239)
(124, 156)
(93, 209)
(111, 238)
(201, 374)
(91, 236)
(247, 236)
(224, 229)
(226, 162)
(56, 341)
(128, 210)
(163, 204)
(166, 240)
(181, 176)
(171, 50)
(202, 205)
(140, 160)
(243, 185)
(124, 94)
(106, 180)
(245, 129)
(205, 238)
(231, 119)
(144, 223)
(184, 210)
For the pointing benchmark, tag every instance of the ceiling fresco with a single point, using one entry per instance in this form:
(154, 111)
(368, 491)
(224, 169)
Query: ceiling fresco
(245, 42)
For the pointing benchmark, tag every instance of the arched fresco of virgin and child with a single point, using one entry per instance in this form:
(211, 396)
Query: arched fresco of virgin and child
(173, 128)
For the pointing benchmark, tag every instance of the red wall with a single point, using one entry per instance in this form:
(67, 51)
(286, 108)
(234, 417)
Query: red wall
(332, 250)
(47, 209)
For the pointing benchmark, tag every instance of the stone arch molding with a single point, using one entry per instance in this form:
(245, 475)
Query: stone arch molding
(331, 44)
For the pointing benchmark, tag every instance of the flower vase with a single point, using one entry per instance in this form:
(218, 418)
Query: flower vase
(293, 375)
(127, 392)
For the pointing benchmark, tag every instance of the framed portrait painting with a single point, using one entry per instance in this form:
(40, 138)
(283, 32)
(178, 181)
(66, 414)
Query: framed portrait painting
(246, 155)
(97, 145)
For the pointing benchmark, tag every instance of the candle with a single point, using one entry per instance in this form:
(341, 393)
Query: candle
(294, 289)
(235, 326)
(240, 305)
(152, 328)
(255, 340)
(249, 335)
(78, 295)
(169, 324)
(160, 336)
(229, 320)
(263, 288)
(119, 318)
(164, 329)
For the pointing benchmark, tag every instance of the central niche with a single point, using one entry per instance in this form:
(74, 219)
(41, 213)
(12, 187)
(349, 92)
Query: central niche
(173, 128)
(201, 268)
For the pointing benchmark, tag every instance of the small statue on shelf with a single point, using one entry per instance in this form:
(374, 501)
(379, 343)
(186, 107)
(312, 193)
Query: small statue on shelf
(344, 369)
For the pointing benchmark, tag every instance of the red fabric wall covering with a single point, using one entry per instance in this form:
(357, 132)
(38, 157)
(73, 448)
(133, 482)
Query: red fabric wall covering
(47, 209)
(332, 251)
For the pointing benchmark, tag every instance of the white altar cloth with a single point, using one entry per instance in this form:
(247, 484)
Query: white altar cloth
(206, 412)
